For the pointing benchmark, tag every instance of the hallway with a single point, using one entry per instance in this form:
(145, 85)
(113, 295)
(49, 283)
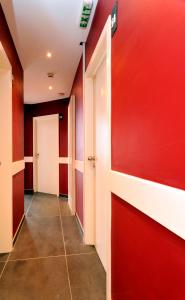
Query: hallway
(49, 260)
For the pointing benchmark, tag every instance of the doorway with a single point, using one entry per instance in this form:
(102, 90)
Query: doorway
(97, 151)
(46, 154)
(6, 214)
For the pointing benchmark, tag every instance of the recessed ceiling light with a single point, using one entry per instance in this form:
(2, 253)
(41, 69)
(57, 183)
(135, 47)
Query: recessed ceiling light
(49, 54)
(50, 87)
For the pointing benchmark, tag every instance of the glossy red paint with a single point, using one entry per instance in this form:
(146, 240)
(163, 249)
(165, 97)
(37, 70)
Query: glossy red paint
(63, 179)
(42, 109)
(17, 118)
(28, 176)
(18, 199)
(148, 91)
(79, 195)
(148, 261)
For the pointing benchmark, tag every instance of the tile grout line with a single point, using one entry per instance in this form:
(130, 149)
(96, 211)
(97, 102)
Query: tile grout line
(65, 250)
(1, 274)
(7, 260)
(51, 256)
(25, 214)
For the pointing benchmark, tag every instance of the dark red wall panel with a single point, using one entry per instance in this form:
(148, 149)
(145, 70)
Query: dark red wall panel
(17, 89)
(28, 176)
(18, 199)
(63, 179)
(63, 133)
(79, 195)
(148, 261)
(17, 118)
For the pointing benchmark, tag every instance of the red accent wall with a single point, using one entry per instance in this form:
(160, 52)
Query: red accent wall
(41, 109)
(148, 141)
(17, 118)
(148, 261)
(18, 197)
(28, 176)
(63, 179)
(79, 195)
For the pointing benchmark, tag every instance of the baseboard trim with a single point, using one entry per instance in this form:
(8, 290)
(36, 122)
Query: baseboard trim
(18, 229)
(63, 195)
(29, 191)
(79, 223)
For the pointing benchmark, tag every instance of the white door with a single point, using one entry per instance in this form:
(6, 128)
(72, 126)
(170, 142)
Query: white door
(71, 154)
(47, 154)
(101, 163)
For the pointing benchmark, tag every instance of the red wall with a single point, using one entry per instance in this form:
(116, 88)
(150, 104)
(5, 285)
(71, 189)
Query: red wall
(17, 117)
(148, 261)
(41, 109)
(148, 93)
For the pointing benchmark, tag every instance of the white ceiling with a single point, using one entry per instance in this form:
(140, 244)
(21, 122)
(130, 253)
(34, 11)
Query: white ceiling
(38, 26)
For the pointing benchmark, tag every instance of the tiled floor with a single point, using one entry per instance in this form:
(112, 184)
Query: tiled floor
(49, 260)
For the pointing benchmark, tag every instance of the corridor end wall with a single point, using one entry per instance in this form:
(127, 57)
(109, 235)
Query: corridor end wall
(41, 109)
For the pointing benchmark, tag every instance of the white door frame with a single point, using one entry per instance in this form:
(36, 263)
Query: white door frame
(102, 50)
(71, 155)
(35, 175)
(6, 210)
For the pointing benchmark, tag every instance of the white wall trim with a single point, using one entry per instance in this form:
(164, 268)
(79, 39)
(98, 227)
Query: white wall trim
(163, 203)
(79, 165)
(28, 159)
(63, 160)
(17, 166)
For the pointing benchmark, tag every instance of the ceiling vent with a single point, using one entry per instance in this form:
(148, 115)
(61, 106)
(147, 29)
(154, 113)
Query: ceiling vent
(50, 75)
(85, 13)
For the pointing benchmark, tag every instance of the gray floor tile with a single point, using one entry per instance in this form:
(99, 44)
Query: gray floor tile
(1, 266)
(44, 205)
(3, 256)
(64, 207)
(35, 280)
(87, 277)
(27, 201)
(73, 237)
(39, 237)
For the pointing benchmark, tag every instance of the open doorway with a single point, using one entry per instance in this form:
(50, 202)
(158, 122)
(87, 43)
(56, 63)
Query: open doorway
(6, 214)
(97, 151)
(46, 154)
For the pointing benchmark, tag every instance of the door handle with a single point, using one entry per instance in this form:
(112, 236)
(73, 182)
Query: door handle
(37, 155)
(91, 158)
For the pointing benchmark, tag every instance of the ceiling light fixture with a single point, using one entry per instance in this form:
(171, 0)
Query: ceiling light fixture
(50, 87)
(49, 54)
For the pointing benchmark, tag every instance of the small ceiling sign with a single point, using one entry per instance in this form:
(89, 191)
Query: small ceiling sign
(114, 18)
(86, 13)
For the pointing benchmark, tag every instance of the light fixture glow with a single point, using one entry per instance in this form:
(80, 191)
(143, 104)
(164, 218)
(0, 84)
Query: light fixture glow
(50, 87)
(49, 54)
